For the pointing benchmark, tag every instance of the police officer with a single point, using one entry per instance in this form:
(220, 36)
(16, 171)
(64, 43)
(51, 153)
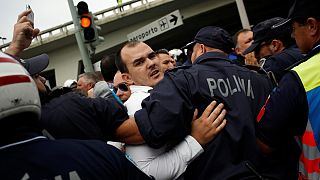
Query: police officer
(293, 108)
(26, 154)
(165, 116)
(275, 46)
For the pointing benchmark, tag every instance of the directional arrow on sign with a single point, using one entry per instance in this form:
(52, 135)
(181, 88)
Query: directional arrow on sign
(174, 19)
(157, 27)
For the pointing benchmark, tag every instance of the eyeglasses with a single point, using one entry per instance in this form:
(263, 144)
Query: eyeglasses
(122, 86)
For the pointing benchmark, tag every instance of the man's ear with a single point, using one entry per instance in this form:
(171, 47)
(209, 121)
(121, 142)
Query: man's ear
(277, 46)
(91, 85)
(237, 50)
(127, 78)
(313, 26)
(203, 48)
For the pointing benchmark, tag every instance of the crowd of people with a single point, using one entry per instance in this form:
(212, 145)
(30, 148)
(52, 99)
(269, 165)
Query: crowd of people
(241, 107)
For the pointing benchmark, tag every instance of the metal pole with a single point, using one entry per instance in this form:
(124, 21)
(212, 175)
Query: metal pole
(243, 14)
(83, 50)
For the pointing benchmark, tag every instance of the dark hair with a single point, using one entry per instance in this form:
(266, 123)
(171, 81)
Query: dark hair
(303, 20)
(119, 61)
(108, 67)
(283, 33)
(235, 36)
(286, 39)
(162, 51)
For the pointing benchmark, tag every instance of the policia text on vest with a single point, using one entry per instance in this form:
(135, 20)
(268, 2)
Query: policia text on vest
(225, 88)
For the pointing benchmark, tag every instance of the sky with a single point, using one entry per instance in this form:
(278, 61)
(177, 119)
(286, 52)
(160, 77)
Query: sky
(47, 13)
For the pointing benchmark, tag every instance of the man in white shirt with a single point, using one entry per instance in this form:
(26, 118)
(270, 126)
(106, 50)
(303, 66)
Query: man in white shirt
(139, 64)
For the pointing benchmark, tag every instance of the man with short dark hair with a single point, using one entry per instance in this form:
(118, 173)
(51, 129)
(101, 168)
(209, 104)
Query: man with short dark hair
(165, 60)
(140, 65)
(274, 46)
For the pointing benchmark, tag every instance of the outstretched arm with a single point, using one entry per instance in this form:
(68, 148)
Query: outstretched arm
(204, 129)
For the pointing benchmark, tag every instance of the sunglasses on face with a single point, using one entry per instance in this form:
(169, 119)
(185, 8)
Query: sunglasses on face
(122, 86)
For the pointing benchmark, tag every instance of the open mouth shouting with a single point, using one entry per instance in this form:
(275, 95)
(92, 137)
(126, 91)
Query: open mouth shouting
(154, 73)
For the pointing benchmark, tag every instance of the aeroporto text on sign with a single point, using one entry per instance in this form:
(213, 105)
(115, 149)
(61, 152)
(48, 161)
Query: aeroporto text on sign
(157, 27)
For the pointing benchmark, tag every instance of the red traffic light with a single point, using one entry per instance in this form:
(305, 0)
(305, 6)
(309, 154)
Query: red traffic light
(85, 21)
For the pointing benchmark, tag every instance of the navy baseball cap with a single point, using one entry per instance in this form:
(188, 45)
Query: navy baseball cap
(263, 32)
(214, 37)
(301, 9)
(35, 64)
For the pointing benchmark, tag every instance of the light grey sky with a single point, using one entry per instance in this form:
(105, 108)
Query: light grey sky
(47, 13)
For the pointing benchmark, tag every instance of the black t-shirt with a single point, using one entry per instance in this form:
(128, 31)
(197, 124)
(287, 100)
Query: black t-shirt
(40, 158)
(74, 116)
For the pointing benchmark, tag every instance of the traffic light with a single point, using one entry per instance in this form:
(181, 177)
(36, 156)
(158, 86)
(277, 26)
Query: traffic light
(88, 27)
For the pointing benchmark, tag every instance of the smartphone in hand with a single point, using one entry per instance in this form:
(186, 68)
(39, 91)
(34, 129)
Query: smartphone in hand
(31, 15)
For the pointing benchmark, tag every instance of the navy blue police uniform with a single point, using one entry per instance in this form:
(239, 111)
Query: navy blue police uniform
(29, 155)
(167, 114)
(74, 116)
(280, 62)
(282, 121)
(285, 117)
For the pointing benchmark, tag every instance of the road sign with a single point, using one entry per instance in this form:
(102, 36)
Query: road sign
(157, 27)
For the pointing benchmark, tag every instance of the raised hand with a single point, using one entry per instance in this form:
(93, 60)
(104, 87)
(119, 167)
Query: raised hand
(23, 34)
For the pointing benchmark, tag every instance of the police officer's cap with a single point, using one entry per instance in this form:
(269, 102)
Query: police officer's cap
(302, 9)
(263, 32)
(214, 37)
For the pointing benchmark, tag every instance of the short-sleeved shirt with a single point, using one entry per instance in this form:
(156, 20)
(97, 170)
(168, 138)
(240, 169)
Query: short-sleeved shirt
(74, 116)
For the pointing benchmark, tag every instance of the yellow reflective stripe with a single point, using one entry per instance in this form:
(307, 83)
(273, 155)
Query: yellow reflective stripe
(309, 72)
